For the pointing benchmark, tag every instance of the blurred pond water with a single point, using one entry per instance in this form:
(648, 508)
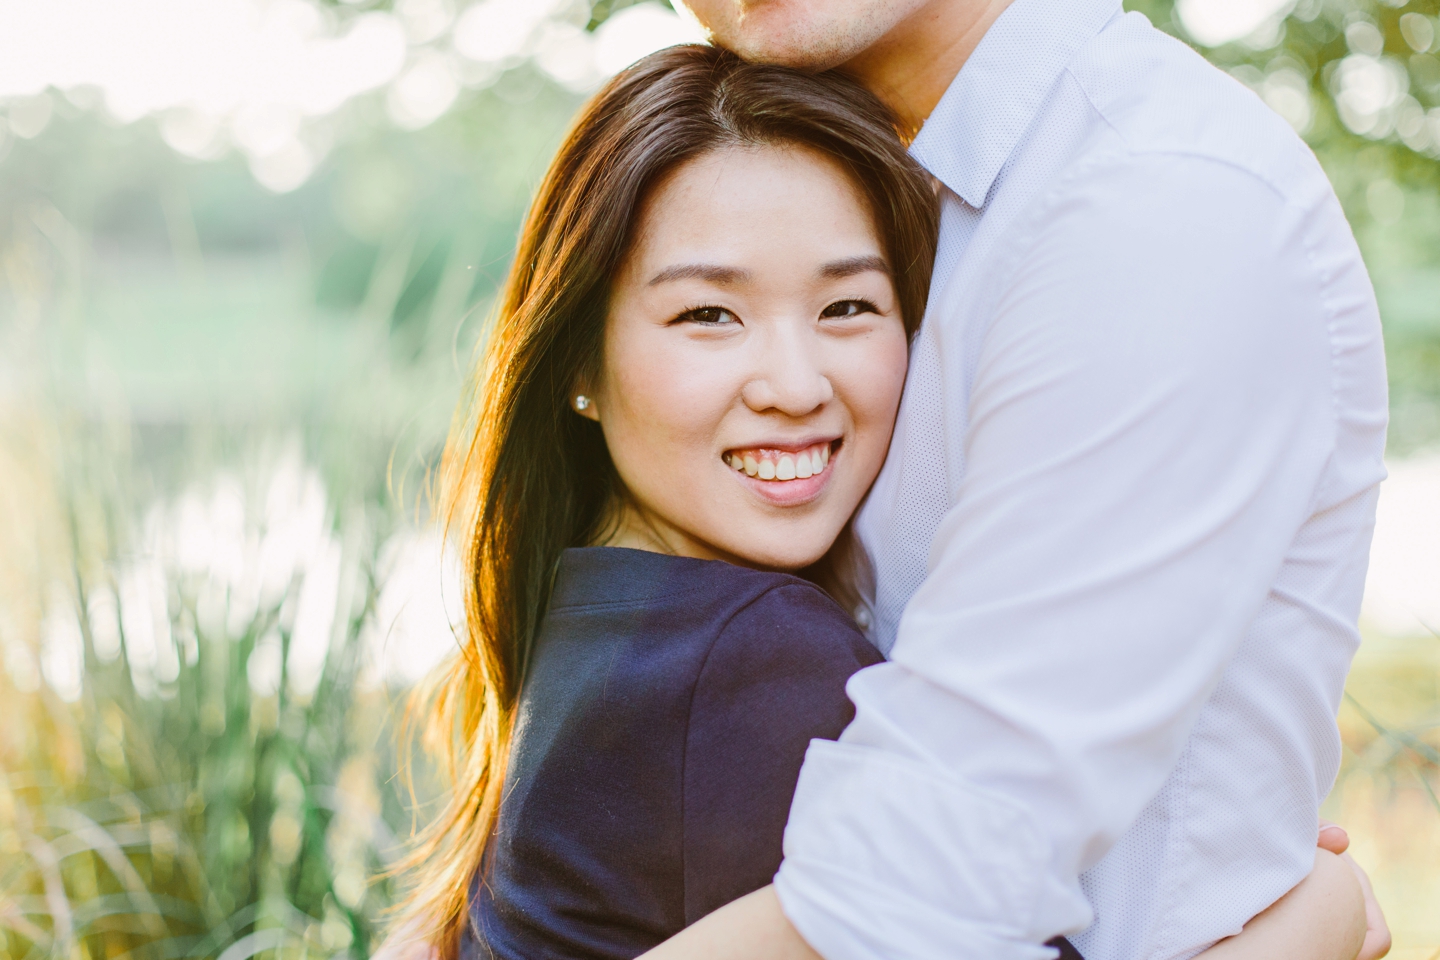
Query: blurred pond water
(233, 328)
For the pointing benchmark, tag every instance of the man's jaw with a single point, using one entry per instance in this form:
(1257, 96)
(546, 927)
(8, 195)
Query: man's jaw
(810, 35)
(906, 52)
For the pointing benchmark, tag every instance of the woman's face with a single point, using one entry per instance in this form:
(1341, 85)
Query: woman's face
(753, 362)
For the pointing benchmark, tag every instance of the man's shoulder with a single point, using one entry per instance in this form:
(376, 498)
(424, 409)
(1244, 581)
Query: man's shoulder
(1160, 97)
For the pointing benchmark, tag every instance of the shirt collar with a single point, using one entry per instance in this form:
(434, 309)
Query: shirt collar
(993, 100)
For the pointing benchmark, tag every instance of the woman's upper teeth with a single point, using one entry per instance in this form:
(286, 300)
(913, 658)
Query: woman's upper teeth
(780, 464)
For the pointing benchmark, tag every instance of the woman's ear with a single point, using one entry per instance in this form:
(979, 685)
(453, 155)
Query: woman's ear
(584, 404)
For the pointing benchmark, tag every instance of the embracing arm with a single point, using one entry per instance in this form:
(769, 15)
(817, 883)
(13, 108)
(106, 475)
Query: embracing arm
(1323, 918)
(1318, 919)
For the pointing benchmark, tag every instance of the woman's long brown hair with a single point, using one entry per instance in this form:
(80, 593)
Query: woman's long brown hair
(523, 477)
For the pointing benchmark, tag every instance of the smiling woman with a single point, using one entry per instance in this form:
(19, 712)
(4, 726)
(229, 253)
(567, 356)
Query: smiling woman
(689, 387)
(756, 348)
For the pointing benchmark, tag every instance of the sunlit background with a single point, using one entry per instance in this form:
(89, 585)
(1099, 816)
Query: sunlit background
(246, 250)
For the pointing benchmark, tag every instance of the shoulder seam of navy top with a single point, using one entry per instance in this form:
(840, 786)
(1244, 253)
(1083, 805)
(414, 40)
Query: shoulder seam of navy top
(790, 580)
(630, 601)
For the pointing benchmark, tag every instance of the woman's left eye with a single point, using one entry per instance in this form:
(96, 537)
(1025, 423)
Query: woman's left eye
(708, 316)
(849, 308)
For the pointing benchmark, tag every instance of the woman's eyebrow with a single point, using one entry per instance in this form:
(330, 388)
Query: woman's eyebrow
(701, 271)
(840, 269)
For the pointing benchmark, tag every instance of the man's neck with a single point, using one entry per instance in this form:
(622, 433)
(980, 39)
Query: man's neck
(912, 66)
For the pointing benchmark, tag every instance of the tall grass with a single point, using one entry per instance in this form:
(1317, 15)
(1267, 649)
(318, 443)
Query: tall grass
(195, 758)
(205, 603)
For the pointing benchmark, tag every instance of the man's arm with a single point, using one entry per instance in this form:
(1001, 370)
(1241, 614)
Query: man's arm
(1150, 419)
(754, 928)
(1323, 918)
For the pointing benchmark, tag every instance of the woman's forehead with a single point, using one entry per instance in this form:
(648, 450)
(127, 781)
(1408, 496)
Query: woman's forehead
(752, 208)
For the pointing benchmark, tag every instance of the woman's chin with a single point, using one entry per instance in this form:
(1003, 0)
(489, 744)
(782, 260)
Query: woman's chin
(784, 554)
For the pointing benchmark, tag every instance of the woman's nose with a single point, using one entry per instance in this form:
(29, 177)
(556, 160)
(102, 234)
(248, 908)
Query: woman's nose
(789, 378)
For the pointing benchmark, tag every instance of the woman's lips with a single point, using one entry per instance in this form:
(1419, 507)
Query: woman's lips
(785, 477)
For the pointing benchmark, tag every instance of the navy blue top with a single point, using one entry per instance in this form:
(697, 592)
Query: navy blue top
(658, 740)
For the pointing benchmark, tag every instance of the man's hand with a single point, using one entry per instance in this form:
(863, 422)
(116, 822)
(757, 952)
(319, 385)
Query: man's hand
(754, 927)
(1377, 933)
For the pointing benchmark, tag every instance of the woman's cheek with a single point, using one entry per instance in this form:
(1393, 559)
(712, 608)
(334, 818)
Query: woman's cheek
(667, 388)
(875, 381)
(896, 365)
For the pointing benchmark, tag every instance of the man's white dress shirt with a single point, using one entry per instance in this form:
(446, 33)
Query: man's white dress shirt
(1120, 540)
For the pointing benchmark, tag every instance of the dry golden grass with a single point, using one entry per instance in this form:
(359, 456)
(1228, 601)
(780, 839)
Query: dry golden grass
(1386, 793)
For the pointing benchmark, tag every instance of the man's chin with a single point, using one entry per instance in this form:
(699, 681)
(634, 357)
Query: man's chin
(797, 53)
(811, 35)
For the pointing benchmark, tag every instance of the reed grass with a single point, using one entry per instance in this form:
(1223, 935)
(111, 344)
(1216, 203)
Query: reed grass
(178, 778)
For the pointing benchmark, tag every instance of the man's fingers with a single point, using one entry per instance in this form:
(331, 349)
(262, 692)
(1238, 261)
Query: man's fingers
(1377, 945)
(1377, 932)
(1333, 838)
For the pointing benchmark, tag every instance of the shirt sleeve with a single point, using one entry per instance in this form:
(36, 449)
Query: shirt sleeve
(774, 680)
(1149, 420)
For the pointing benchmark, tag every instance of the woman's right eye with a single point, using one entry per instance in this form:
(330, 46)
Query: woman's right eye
(708, 316)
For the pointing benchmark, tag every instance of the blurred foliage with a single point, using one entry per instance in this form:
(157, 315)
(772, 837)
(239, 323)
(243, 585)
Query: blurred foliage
(197, 797)
(602, 10)
(1386, 794)
(168, 320)
(163, 321)
(1324, 67)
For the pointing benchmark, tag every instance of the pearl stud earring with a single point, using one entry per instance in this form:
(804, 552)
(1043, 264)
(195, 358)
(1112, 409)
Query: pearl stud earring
(582, 402)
